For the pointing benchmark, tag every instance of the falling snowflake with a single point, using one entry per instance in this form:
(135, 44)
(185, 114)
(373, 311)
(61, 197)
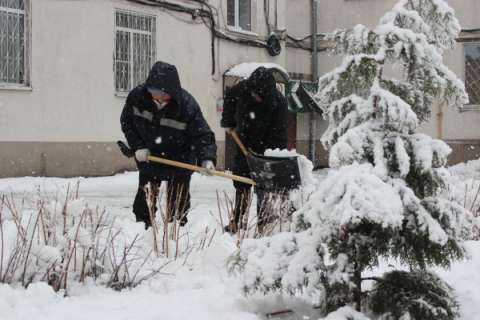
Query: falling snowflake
(158, 140)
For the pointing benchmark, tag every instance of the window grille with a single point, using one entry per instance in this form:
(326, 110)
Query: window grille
(134, 49)
(472, 72)
(13, 42)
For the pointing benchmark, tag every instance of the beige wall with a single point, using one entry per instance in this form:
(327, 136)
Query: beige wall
(298, 26)
(61, 159)
(459, 129)
(449, 123)
(72, 98)
(446, 123)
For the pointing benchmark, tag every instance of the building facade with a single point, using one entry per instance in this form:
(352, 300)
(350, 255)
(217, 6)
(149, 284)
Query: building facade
(460, 129)
(67, 66)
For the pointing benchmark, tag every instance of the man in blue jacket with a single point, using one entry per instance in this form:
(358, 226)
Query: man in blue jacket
(161, 118)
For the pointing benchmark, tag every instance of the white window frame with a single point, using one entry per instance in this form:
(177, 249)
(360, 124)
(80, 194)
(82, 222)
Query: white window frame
(122, 92)
(24, 83)
(236, 26)
(469, 106)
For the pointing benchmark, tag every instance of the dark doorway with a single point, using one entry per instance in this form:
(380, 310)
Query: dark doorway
(292, 131)
(282, 79)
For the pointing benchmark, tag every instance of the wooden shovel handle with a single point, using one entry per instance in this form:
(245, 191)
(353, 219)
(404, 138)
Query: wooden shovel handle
(239, 143)
(192, 167)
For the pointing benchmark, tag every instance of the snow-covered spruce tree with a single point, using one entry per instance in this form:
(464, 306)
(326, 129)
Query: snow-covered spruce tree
(382, 198)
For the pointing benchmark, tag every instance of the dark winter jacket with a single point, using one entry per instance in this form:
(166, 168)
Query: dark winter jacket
(261, 125)
(178, 131)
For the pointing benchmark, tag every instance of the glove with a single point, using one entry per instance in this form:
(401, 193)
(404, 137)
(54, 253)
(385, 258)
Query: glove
(207, 165)
(142, 155)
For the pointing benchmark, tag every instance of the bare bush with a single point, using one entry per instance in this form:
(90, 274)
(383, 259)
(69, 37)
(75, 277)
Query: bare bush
(276, 214)
(59, 239)
(471, 202)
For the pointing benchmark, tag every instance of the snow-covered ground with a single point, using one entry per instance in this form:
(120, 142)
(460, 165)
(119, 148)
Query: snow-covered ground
(200, 289)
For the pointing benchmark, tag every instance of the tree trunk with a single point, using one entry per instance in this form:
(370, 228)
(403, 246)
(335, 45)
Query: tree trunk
(357, 292)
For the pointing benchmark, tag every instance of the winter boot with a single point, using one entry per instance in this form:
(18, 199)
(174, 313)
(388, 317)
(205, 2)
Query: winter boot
(182, 220)
(231, 228)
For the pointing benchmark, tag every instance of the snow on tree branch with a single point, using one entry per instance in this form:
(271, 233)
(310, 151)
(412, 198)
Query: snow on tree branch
(383, 196)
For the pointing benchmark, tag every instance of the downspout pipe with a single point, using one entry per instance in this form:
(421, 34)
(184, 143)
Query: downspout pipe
(314, 65)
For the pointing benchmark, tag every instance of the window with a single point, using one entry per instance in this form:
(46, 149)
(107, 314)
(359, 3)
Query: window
(472, 72)
(13, 42)
(134, 49)
(239, 14)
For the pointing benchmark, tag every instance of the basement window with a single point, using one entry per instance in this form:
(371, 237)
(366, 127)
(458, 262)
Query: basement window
(134, 49)
(14, 43)
(239, 14)
(472, 73)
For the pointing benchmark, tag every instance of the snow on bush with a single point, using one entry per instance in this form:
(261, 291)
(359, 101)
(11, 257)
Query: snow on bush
(62, 239)
(385, 196)
(351, 196)
(284, 262)
(468, 170)
(464, 189)
(345, 313)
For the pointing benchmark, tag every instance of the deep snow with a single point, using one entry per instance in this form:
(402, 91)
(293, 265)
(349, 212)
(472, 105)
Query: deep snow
(202, 289)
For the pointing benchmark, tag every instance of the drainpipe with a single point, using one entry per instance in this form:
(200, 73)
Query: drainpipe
(312, 122)
(440, 121)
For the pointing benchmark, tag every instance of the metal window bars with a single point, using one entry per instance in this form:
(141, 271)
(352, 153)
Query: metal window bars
(134, 48)
(13, 42)
(472, 72)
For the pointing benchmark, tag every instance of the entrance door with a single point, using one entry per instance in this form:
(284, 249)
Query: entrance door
(292, 130)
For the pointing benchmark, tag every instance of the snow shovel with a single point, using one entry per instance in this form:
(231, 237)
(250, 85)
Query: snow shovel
(129, 153)
(270, 173)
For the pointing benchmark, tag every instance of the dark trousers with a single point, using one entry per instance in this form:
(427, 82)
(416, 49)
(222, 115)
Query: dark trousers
(243, 193)
(178, 198)
(243, 197)
(270, 205)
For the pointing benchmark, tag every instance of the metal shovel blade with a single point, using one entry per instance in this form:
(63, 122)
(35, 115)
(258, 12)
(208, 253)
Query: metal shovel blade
(274, 173)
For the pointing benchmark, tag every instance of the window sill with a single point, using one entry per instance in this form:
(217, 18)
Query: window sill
(242, 32)
(472, 107)
(15, 87)
(121, 94)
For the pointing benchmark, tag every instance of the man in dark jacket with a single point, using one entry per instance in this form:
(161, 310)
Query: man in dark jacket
(161, 118)
(258, 112)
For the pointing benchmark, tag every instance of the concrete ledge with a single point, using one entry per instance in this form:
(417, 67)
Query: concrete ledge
(61, 159)
(463, 150)
(68, 159)
(71, 159)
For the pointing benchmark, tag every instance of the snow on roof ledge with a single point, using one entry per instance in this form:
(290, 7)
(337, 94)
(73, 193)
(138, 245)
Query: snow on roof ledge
(244, 70)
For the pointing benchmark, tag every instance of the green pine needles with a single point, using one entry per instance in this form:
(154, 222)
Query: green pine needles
(383, 197)
(413, 295)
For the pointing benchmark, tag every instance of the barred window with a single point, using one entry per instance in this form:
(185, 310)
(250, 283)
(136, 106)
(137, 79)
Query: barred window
(134, 49)
(13, 42)
(239, 14)
(472, 72)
